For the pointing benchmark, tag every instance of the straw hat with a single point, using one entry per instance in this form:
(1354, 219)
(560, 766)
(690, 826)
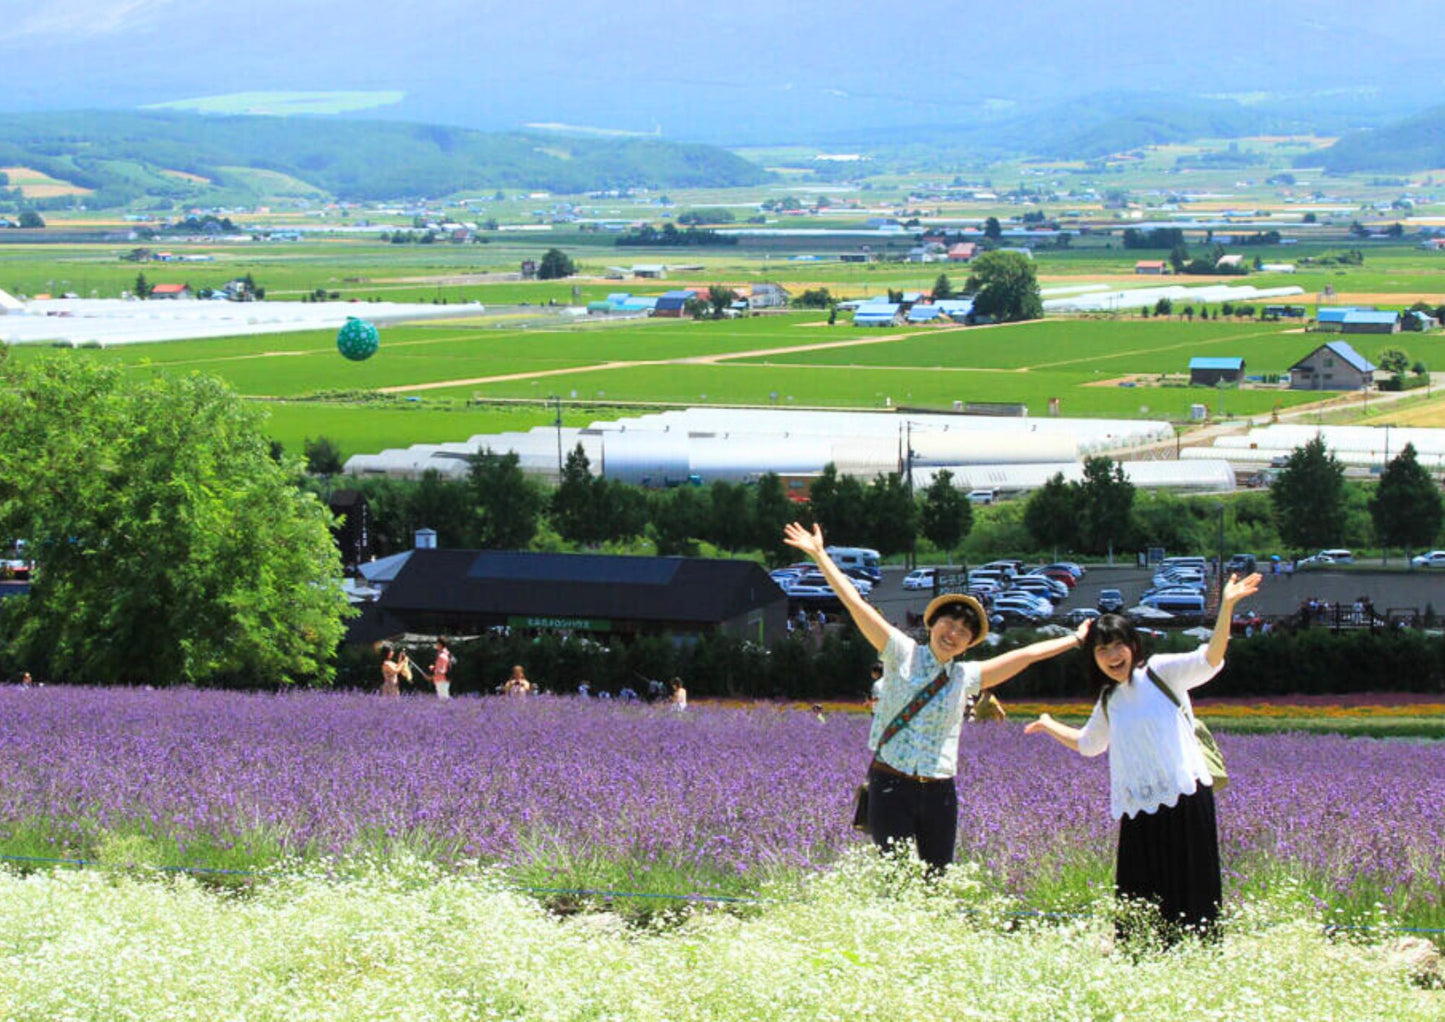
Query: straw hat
(980, 619)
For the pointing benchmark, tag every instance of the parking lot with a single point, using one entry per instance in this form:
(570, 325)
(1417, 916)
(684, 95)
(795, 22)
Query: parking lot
(1278, 596)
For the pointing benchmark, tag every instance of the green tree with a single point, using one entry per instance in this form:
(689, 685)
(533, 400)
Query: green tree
(771, 511)
(1393, 360)
(437, 503)
(1406, 506)
(323, 456)
(507, 504)
(1005, 287)
(730, 517)
(1106, 505)
(720, 298)
(891, 514)
(945, 516)
(992, 230)
(1309, 497)
(572, 510)
(30, 218)
(555, 265)
(942, 287)
(1179, 257)
(142, 286)
(1051, 515)
(170, 547)
(678, 518)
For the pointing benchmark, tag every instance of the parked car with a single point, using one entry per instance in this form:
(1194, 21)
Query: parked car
(919, 578)
(1079, 615)
(1181, 603)
(857, 562)
(1045, 587)
(982, 496)
(1111, 601)
(1016, 599)
(1434, 559)
(1009, 568)
(1058, 573)
(1241, 565)
(1334, 555)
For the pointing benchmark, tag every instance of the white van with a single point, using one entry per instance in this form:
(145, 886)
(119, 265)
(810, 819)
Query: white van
(982, 496)
(859, 561)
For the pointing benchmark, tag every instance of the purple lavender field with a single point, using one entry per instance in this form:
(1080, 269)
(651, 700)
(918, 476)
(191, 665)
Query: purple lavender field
(711, 800)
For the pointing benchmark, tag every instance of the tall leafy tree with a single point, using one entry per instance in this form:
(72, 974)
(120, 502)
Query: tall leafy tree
(679, 518)
(1308, 496)
(441, 505)
(945, 515)
(1051, 515)
(771, 511)
(1005, 286)
(730, 520)
(170, 546)
(1406, 506)
(507, 504)
(1106, 505)
(555, 265)
(572, 508)
(942, 287)
(892, 514)
(992, 229)
(323, 456)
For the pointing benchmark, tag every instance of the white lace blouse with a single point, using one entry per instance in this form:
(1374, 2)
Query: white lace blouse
(1153, 754)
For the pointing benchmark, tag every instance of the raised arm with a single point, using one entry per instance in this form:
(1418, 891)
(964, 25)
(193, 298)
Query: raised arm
(1001, 668)
(872, 624)
(1235, 590)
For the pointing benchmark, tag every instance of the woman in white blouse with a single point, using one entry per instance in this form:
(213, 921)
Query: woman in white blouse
(1160, 787)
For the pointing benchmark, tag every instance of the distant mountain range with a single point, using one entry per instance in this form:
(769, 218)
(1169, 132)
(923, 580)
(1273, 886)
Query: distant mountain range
(127, 156)
(1415, 143)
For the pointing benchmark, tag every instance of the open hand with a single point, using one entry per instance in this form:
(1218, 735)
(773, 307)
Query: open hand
(811, 543)
(1238, 588)
(1033, 727)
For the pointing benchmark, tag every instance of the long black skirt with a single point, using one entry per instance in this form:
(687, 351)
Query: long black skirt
(1170, 858)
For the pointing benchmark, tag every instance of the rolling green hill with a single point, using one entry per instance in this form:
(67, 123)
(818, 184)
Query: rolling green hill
(125, 157)
(1416, 143)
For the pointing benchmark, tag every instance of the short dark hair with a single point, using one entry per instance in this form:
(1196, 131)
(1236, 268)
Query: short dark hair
(1106, 630)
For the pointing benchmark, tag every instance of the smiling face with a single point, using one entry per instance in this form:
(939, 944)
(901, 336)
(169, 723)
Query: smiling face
(1115, 660)
(949, 636)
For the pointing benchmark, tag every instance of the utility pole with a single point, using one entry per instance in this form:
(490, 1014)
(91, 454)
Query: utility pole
(558, 423)
(908, 461)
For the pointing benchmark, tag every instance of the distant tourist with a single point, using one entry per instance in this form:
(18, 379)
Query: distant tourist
(875, 687)
(678, 694)
(441, 669)
(517, 683)
(919, 720)
(392, 664)
(1161, 789)
(26, 681)
(584, 689)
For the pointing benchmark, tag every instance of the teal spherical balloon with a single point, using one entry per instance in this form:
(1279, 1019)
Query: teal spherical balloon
(358, 339)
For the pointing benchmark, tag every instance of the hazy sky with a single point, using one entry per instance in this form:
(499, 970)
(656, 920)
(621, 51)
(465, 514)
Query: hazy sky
(735, 72)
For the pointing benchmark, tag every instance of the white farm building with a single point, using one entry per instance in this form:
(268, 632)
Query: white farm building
(735, 445)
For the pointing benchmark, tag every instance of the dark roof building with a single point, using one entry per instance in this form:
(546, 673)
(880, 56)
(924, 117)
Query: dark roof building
(1332, 366)
(468, 591)
(1206, 372)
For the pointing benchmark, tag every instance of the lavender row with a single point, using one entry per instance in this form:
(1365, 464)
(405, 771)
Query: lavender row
(706, 792)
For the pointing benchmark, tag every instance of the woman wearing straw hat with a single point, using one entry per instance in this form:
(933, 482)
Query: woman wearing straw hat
(921, 708)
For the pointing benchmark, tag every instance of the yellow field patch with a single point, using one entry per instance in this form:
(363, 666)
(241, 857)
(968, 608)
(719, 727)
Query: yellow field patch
(1431, 413)
(34, 184)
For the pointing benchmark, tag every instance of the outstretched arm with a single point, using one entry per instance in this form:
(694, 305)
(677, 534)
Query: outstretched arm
(1001, 668)
(871, 623)
(1235, 590)
(1062, 733)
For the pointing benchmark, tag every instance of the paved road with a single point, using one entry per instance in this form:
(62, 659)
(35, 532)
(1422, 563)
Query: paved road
(1279, 595)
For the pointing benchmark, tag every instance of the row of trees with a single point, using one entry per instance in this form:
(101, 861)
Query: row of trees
(1309, 507)
(498, 506)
